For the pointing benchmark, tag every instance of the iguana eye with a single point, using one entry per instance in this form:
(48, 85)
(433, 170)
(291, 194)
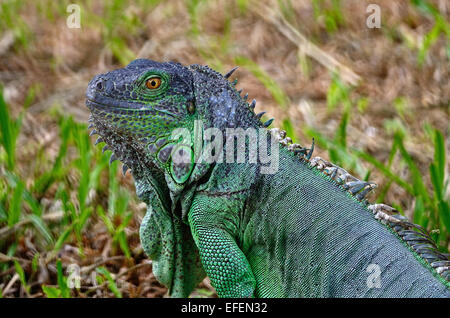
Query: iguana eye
(153, 82)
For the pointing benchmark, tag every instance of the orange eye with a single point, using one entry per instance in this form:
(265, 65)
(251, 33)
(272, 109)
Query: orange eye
(153, 83)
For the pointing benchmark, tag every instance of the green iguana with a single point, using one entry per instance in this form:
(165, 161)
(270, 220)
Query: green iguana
(230, 199)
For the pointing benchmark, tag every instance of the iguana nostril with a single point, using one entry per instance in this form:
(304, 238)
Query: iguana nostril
(99, 85)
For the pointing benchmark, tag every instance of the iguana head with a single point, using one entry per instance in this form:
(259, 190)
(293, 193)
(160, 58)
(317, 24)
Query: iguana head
(136, 109)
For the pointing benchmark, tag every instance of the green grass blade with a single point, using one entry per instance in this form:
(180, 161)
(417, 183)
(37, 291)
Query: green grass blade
(3, 214)
(51, 292)
(16, 204)
(416, 175)
(289, 128)
(63, 238)
(8, 132)
(439, 155)
(111, 283)
(21, 273)
(420, 213)
(41, 227)
(386, 171)
(62, 281)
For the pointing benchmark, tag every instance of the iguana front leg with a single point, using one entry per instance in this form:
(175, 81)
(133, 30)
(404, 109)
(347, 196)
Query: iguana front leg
(213, 230)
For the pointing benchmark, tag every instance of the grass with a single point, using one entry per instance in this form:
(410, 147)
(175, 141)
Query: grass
(441, 26)
(62, 204)
(269, 83)
(331, 13)
(9, 131)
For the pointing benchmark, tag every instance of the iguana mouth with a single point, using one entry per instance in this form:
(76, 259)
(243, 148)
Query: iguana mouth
(92, 99)
(92, 104)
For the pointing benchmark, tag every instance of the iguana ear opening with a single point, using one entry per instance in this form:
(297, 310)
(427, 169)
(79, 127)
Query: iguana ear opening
(182, 163)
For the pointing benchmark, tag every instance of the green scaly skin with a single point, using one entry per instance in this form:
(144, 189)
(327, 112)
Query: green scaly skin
(295, 233)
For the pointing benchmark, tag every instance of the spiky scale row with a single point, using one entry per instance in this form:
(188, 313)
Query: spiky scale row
(253, 103)
(415, 236)
(297, 149)
(412, 234)
(360, 196)
(257, 116)
(113, 156)
(359, 189)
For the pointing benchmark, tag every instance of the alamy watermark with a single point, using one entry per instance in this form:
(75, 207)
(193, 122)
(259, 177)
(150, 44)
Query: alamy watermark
(234, 145)
(73, 272)
(74, 277)
(74, 19)
(374, 278)
(374, 19)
